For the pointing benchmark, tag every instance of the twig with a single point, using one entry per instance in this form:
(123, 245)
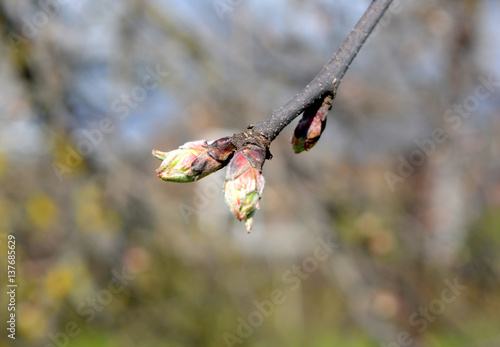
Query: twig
(245, 153)
(329, 78)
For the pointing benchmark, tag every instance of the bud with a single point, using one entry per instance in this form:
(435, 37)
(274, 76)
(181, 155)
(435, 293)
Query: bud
(244, 183)
(194, 160)
(312, 124)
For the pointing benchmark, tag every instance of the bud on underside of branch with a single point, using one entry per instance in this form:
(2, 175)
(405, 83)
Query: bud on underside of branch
(194, 160)
(245, 183)
(311, 125)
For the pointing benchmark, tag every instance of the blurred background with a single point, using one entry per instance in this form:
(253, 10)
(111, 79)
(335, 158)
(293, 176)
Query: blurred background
(385, 234)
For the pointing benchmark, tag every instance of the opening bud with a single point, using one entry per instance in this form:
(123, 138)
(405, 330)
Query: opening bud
(194, 160)
(245, 183)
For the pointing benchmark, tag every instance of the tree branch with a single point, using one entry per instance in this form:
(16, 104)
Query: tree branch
(328, 79)
(245, 153)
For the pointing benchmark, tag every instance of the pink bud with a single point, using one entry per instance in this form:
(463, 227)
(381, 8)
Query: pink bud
(311, 125)
(194, 160)
(245, 183)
